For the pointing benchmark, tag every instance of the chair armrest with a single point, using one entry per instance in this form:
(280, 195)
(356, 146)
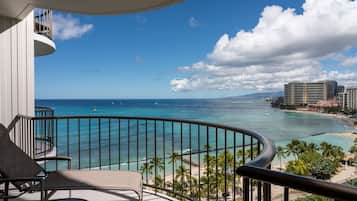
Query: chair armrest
(15, 179)
(56, 158)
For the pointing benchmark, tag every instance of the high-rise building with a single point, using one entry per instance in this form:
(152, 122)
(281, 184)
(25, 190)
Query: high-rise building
(304, 93)
(340, 88)
(339, 95)
(350, 98)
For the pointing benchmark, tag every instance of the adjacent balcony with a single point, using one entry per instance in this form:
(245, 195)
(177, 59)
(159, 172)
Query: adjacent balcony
(43, 34)
(179, 159)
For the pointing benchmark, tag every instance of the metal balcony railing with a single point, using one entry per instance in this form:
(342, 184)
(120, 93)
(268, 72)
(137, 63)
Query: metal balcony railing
(188, 160)
(44, 132)
(43, 22)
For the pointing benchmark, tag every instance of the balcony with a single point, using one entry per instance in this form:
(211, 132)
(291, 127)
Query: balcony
(44, 44)
(179, 159)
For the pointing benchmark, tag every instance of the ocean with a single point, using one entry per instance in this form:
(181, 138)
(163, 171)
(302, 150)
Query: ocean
(251, 114)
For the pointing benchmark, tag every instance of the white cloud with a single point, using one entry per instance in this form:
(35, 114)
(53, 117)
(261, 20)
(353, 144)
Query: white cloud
(66, 27)
(193, 22)
(349, 61)
(282, 47)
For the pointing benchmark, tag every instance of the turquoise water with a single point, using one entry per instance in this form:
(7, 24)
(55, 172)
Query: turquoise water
(252, 114)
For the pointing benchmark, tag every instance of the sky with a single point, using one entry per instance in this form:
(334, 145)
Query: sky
(200, 49)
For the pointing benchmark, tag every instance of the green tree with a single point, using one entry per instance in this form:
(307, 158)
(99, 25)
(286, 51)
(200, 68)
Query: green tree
(353, 149)
(312, 160)
(146, 168)
(297, 167)
(295, 148)
(182, 174)
(323, 169)
(225, 161)
(312, 147)
(280, 153)
(159, 181)
(156, 163)
(327, 149)
(173, 158)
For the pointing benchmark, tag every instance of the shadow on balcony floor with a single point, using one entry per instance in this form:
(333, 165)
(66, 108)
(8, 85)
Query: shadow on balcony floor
(97, 196)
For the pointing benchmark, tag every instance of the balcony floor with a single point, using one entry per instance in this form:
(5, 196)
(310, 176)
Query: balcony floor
(97, 196)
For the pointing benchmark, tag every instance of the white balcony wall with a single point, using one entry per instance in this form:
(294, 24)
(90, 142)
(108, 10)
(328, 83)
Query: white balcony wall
(16, 68)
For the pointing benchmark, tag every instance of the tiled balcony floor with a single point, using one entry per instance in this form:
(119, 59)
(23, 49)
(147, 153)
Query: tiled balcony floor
(98, 196)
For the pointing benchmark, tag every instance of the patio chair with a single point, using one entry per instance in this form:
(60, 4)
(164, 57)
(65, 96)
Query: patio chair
(27, 176)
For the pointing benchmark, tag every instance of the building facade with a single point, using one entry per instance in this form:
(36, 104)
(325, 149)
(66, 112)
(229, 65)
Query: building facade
(304, 93)
(340, 89)
(350, 98)
(26, 32)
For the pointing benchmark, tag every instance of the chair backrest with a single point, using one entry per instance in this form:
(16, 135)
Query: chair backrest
(13, 161)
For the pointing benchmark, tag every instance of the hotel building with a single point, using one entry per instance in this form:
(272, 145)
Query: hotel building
(350, 98)
(304, 93)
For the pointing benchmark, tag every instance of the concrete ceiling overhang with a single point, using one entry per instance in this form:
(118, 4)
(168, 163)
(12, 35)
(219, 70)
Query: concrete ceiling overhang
(20, 8)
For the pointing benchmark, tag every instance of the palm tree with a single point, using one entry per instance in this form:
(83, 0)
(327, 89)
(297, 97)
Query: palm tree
(159, 181)
(174, 157)
(294, 148)
(182, 173)
(157, 164)
(240, 156)
(330, 151)
(312, 147)
(338, 153)
(226, 161)
(183, 177)
(194, 188)
(280, 153)
(146, 168)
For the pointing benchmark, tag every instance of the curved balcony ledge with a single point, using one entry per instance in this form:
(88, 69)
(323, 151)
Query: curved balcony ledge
(20, 9)
(104, 7)
(43, 45)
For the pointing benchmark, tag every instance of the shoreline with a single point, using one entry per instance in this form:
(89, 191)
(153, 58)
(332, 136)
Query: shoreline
(344, 134)
(344, 118)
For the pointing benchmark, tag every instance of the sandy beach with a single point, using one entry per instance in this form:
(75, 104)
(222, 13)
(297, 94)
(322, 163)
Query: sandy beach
(347, 135)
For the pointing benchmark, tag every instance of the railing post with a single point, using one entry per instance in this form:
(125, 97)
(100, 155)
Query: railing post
(259, 191)
(245, 189)
(286, 194)
(267, 192)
